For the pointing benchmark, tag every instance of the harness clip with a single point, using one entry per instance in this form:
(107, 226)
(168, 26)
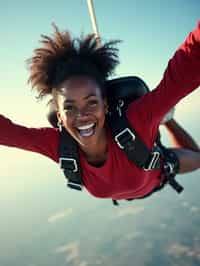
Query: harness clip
(119, 106)
(74, 185)
(154, 160)
(123, 134)
(68, 163)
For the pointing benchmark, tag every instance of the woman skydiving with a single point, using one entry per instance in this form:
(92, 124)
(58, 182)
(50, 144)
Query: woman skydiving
(74, 72)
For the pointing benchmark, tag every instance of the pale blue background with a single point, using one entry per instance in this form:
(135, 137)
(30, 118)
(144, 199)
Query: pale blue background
(43, 223)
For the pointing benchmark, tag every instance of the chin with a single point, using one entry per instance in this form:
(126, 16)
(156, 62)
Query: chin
(88, 141)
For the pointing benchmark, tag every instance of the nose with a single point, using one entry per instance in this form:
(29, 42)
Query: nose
(82, 113)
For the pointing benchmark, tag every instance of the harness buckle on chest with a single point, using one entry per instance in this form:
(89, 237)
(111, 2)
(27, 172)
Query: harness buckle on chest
(123, 137)
(154, 161)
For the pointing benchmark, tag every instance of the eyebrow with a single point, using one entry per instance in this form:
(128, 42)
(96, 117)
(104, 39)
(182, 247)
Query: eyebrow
(84, 98)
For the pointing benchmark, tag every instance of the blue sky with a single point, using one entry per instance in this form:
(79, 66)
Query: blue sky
(150, 30)
(33, 194)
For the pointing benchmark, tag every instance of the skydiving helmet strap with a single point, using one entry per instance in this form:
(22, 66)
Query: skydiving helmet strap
(69, 160)
(128, 140)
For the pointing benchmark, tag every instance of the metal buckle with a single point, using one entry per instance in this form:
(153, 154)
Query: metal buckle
(119, 106)
(70, 160)
(121, 133)
(169, 168)
(153, 162)
(74, 185)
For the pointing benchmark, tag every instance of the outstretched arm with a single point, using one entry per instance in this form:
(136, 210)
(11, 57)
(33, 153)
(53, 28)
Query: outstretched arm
(181, 77)
(41, 140)
(184, 146)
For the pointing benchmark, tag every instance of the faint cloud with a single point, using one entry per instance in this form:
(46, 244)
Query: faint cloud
(148, 245)
(194, 209)
(72, 251)
(59, 215)
(83, 263)
(180, 250)
(128, 211)
(163, 226)
(133, 235)
(185, 204)
(99, 262)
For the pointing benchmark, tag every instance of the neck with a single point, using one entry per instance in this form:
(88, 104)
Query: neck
(97, 154)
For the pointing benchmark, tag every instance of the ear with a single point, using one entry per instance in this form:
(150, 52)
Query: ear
(58, 116)
(59, 121)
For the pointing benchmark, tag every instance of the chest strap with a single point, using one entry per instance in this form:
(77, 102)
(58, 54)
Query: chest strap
(69, 160)
(128, 140)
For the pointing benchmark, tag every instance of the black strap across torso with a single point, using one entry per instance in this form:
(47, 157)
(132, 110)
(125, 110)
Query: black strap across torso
(125, 136)
(69, 160)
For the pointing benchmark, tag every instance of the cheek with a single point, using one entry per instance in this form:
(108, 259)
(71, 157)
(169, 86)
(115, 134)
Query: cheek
(67, 122)
(102, 115)
(102, 109)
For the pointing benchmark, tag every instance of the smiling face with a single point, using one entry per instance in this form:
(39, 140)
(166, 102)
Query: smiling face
(81, 110)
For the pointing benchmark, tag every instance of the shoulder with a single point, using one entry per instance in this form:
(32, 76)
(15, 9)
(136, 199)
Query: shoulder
(51, 139)
(140, 109)
(139, 115)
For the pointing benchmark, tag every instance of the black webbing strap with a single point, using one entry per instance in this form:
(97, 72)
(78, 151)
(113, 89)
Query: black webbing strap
(171, 168)
(127, 139)
(69, 160)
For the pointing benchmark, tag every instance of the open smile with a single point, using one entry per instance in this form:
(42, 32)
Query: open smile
(86, 130)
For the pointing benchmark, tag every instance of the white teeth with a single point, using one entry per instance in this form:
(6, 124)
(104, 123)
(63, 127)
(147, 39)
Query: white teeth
(86, 126)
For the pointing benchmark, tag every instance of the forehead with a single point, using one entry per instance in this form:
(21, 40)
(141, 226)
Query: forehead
(79, 87)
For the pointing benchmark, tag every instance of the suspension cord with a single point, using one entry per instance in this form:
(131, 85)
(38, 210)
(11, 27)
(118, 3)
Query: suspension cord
(93, 18)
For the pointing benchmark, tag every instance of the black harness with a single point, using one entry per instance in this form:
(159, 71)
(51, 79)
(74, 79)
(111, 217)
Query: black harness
(121, 92)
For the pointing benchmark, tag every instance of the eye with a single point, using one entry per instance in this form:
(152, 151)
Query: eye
(69, 107)
(93, 102)
(70, 110)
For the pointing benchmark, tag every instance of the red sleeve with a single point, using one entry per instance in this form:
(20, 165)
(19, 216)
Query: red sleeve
(41, 140)
(181, 77)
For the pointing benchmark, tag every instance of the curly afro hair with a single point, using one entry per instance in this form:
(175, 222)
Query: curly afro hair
(62, 57)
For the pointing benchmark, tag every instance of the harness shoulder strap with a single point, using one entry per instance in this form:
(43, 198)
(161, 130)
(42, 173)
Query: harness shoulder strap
(128, 140)
(69, 160)
(121, 92)
(125, 136)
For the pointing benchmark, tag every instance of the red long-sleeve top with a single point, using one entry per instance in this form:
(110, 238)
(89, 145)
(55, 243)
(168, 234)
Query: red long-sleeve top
(119, 178)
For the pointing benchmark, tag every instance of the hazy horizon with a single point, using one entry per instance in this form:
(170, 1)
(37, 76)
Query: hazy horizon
(43, 222)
